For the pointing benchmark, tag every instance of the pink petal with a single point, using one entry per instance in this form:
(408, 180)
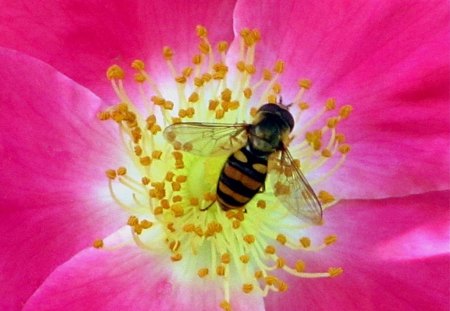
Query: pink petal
(378, 276)
(83, 39)
(53, 156)
(127, 279)
(390, 61)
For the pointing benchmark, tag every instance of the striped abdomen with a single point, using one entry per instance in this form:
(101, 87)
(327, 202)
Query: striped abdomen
(242, 177)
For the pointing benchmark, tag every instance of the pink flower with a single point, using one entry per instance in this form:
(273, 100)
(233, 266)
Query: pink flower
(389, 60)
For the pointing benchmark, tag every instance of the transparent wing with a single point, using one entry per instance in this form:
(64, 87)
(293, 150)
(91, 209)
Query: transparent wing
(292, 188)
(207, 139)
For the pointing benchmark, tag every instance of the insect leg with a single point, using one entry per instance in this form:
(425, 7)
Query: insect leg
(207, 207)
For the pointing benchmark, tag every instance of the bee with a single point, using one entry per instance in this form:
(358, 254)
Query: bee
(255, 150)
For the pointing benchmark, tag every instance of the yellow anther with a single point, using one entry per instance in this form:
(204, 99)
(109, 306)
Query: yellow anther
(169, 175)
(176, 186)
(261, 204)
(303, 105)
(272, 99)
(233, 105)
(270, 249)
(167, 53)
(271, 280)
(258, 274)
(222, 46)
(159, 101)
(340, 138)
(256, 34)
(177, 209)
(330, 104)
(177, 198)
(115, 72)
(213, 104)
(139, 78)
(305, 242)
(154, 129)
(197, 59)
(203, 272)
(281, 238)
(104, 115)
(325, 197)
(267, 75)
(145, 180)
(247, 288)
(345, 111)
(168, 105)
(189, 228)
(207, 77)
(253, 111)
(138, 64)
(145, 161)
(225, 305)
(181, 79)
(225, 95)
(326, 153)
(132, 221)
(187, 71)
(332, 122)
(331, 239)
(244, 258)
(121, 171)
(219, 114)
(249, 238)
(344, 149)
(282, 286)
(220, 270)
(174, 245)
(276, 88)
(201, 31)
(165, 204)
(98, 244)
(248, 92)
(236, 224)
(194, 201)
(181, 178)
(145, 224)
(158, 210)
(281, 262)
(305, 84)
(225, 258)
(111, 174)
(333, 272)
(240, 65)
(279, 66)
(300, 266)
(204, 47)
(198, 82)
(250, 69)
(194, 97)
(176, 257)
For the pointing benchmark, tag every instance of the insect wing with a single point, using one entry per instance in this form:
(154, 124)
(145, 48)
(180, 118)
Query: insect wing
(207, 139)
(293, 190)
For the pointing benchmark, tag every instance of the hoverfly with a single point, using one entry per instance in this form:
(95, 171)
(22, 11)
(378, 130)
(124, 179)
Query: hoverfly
(255, 150)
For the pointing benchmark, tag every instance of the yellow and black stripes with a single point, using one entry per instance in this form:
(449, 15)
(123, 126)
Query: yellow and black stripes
(242, 176)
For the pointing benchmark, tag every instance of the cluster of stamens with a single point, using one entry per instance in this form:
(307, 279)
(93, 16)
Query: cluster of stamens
(169, 186)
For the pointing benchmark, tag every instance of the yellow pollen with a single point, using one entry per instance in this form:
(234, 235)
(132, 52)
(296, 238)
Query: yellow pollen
(325, 197)
(281, 262)
(201, 31)
(226, 258)
(303, 105)
(331, 239)
(244, 258)
(225, 305)
(138, 64)
(111, 174)
(305, 242)
(220, 270)
(167, 53)
(261, 204)
(330, 104)
(279, 67)
(247, 288)
(305, 83)
(115, 72)
(270, 250)
(98, 244)
(203, 272)
(335, 271)
(176, 257)
(249, 238)
(345, 111)
(222, 46)
(300, 266)
(344, 149)
(281, 238)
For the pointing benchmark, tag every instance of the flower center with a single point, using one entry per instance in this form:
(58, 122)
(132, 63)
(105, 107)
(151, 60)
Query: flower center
(167, 188)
